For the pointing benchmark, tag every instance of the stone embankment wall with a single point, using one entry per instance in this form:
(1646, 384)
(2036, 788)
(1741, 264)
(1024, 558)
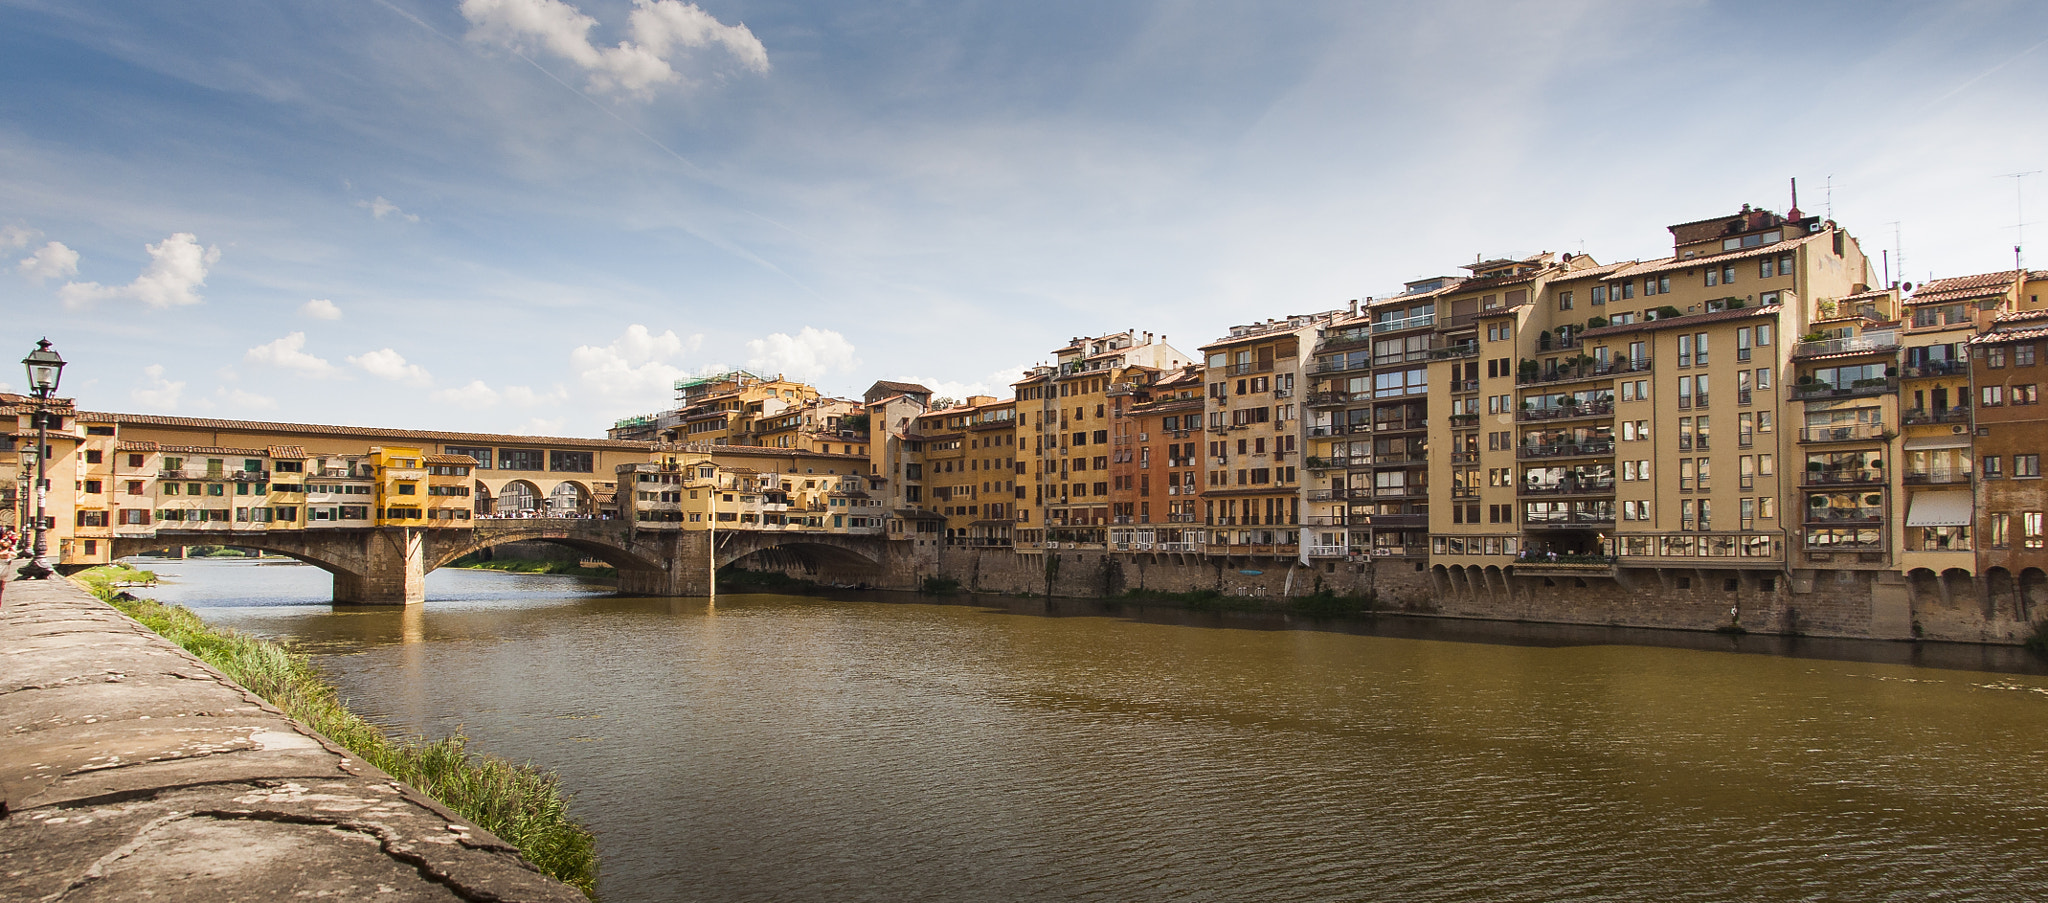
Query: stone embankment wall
(132, 770)
(1846, 603)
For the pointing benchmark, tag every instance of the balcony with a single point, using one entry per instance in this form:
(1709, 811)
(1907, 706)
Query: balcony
(1454, 351)
(1939, 477)
(1400, 426)
(1328, 551)
(1587, 370)
(1391, 521)
(1465, 385)
(1253, 367)
(1822, 517)
(1342, 366)
(1917, 416)
(1570, 487)
(1566, 412)
(1566, 449)
(1329, 399)
(1852, 432)
(1869, 342)
(250, 476)
(1574, 521)
(1396, 325)
(1926, 369)
(1842, 478)
(1817, 391)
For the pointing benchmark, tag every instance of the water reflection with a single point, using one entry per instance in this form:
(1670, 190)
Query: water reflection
(796, 749)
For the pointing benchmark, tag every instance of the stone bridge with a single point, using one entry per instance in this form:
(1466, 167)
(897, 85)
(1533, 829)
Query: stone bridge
(388, 565)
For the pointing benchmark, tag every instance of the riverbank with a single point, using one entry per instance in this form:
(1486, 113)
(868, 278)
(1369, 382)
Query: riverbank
(537, 566)
(521, 804)
(133, 769)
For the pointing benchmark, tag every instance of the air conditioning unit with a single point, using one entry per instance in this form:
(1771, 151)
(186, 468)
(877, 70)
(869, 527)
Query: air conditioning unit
(1959, 429)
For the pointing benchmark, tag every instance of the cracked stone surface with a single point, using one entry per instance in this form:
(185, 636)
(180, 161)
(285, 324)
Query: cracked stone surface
(131, 770)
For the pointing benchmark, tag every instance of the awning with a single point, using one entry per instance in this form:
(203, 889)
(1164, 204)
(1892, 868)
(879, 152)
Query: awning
(1940, 509)
(1923, 443)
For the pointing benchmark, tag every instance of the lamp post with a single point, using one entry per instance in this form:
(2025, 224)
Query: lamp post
(45, 368)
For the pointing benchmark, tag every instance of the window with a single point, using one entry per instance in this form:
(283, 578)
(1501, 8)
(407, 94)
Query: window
(571, 461)
(1599, 295)
(2025, 394)
(2023, 355)
(2030, 527)
(1713, 277)
(1699, 341)
(1993, 396)
(482, 455)
(1564, 301)
(1993, 469)
(1994, 357)
(2026, 465)
(1999, 530)
(520, 459)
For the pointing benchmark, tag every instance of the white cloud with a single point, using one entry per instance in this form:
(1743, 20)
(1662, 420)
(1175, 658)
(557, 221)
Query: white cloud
(12, 236)
(542, 426)
(289, 353)
(479, 394)
(161, 393)
(51, 261)
(659, 28)
(388, 364)
(239, 399)
(381, 208)
(177, 267)
(808, 355)
(320, 309)
(637, 365)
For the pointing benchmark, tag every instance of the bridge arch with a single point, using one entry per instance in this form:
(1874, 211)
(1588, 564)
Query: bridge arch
(517, 498)
(125, 547)
(611, 553)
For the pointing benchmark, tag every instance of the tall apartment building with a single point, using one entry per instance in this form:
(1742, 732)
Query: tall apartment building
(970, 469)
(1251, 491)
(1587, 442)
(1367, 428)
(1154, 492)
(1064, 423)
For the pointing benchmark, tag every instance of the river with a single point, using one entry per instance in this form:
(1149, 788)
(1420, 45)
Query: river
(790, 749)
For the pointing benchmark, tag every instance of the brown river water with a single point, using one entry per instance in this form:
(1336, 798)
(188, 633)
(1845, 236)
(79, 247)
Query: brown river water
(877, 747)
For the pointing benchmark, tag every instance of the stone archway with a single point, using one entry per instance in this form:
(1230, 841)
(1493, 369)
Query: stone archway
(518, 498)
(483, 498)
(569, 499)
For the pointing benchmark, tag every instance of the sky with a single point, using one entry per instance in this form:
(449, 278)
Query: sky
(534, 216)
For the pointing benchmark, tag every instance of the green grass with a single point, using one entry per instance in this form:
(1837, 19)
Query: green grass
(1326, 604)
(533, 566)
(522, 804)
(939, 586)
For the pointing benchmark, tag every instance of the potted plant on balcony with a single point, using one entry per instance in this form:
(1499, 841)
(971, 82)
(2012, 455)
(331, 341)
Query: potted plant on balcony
(1526, 370)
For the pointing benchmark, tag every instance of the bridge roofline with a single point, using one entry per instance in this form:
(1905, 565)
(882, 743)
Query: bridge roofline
(367, 432)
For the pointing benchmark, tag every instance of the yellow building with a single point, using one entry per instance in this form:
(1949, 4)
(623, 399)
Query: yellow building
(1251, 494)
(400, 486)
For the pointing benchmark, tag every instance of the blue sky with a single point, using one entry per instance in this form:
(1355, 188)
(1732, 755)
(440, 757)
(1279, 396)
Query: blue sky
(533, 215)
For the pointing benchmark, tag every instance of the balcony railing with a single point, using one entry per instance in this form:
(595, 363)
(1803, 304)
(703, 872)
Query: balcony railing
(1454, 351)
(1570, 487)
(1838, 478)
(1574, 521)
(1862, 387)
(1565, 449)
(1597, 409)
(1853, 432)
(1342, 366)
(1868, 342)
(1328, 551)
(1404, 323)
(1391, 520)
(1938, 477)
(1819, 517)
(1926, 369)
(1464, 385)
(1329, 399)
(1959, 414)
(1589, 370)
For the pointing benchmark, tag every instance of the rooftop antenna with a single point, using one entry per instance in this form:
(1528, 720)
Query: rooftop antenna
(1898, 250)
(1830, 196)
(2019, 225)
(1794, 212)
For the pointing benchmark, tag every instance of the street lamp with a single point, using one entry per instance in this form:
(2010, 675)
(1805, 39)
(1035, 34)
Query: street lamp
(45, 368)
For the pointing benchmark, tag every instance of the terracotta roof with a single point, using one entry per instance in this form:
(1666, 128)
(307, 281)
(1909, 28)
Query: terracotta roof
(1873, 293)
(2011, 335)
(135, 445)
(899, 388)
(210, 450)
(1684, 321)
(2020, 316)
(1965, 288)
(1600, 271)
(1678, 263)
(451, 459)
(265, 426)
(287, 452)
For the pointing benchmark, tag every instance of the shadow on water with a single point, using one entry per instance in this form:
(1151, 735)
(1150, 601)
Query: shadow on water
(306, 589)
(1922, 654)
